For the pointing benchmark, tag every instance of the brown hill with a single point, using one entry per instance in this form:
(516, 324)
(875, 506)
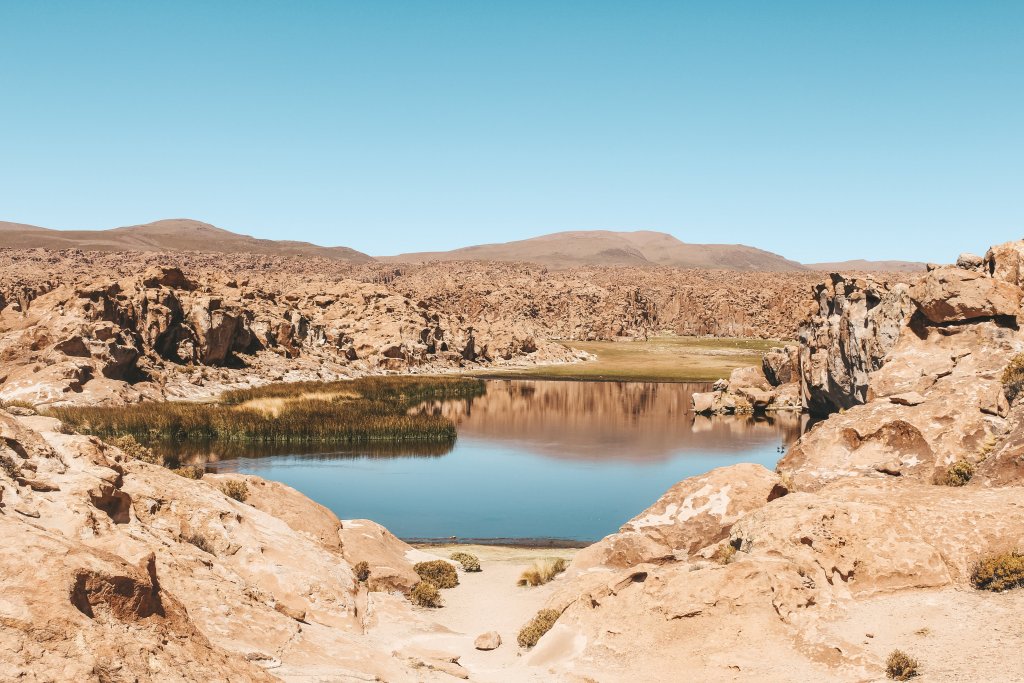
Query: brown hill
(870, 266)
(608, 248)
(176, 234)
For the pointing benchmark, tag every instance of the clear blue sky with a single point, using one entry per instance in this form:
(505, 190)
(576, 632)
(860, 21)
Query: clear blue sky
(819, 130)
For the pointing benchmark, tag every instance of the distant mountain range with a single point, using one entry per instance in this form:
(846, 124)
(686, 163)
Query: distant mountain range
(176, 234)
(558, 250)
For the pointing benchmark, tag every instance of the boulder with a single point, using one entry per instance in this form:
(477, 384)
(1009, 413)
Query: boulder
(951, 295)
(488, 641)
(969, 261)
(693, 514)
(779, 365)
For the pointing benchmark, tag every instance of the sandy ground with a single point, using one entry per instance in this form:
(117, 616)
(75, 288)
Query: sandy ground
(490, 600)
(955, 635)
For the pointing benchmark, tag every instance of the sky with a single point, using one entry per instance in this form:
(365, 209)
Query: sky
(818, 130)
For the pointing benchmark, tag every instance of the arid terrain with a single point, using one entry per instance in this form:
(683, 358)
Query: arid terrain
(871, 536)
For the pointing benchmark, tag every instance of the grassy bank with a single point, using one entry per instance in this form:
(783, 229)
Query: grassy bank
(661, 359)
(366, 410)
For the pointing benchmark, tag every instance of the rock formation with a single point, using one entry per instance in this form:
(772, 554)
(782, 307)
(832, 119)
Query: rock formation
(118, 327)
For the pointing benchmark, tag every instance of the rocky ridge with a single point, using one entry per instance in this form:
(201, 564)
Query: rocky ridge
(117, 327)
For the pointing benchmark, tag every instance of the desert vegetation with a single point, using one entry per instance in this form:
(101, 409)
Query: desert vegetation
(541, 623)
(542, 572)
(999, 572)
(366, 410)
(190, 471)
(425, 594)
(469, 561)
(957, 474)
(1013, 377)
(362, 571)
(900, 666)
(438, 572)
(199, 541)
(235, 488)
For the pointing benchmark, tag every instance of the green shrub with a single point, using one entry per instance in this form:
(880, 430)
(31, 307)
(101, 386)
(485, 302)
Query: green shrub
(469, 562)
(530, 634)
(235, 488)
(541, 573)
(362, 571)
(1013, 377)
(190, 471)
(200, 541)
(425, 594)
(438, 572)
(958, 474)
(900, 666)
(999, 572)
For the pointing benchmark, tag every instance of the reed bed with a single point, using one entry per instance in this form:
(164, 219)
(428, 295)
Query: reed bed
(368, 410)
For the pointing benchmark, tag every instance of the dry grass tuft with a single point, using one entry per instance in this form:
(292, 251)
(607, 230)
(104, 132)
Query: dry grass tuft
(190, 471)
(201, 542)
(957, 474)
(362, 571)
(542, 572)
(530, 634)
(9, 467)
(900, 666)
(1013, 378)
(425, 594)
(999, 572)
(235, 488)
(469, 561)
(438, 572)
(135, 450)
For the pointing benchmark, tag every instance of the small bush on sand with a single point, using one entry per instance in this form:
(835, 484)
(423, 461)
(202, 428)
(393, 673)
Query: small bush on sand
(1013, 377)
(235, 488)
(190, 472)
(542, 572)
(9, 467)
(537, 627)
(425, 594)
(438, 572)
(724, 554)
(362, 571)
(999, 572)
(900, 666)
(134, 449)
(957, 474)
(469, 562)
(200, 541)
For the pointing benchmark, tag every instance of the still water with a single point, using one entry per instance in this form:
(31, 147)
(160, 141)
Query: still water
(533, 460)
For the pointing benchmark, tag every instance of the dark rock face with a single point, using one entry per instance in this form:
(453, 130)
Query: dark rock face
(856, 322)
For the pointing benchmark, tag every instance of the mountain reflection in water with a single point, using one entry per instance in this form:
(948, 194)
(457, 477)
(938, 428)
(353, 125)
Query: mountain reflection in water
(533, 459)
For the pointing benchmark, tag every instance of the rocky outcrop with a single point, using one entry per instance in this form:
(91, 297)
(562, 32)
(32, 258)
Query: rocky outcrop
(748, 390)
(853, 325)
(116, 569)
(952, 295)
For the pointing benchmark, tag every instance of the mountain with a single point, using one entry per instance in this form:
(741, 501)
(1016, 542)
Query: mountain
(870, 266)
(176, 234)
(607, 248)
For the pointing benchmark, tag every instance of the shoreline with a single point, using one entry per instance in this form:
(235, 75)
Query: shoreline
(500, 542)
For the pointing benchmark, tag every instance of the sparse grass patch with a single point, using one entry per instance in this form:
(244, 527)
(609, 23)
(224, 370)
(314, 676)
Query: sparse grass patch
(469, 561)
(999, 572)
(17, 404)
(362, 571)
(235, 488)
(900, 666)
(1013, 377)
(542, 572)
(530, 634)
(724, 554)
(438, 572)
(957, 474)
(200, 541)
(190, 471)
(425, 594)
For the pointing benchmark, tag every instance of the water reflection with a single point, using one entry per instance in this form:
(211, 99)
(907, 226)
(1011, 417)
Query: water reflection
(607, 420)
(533, 459)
